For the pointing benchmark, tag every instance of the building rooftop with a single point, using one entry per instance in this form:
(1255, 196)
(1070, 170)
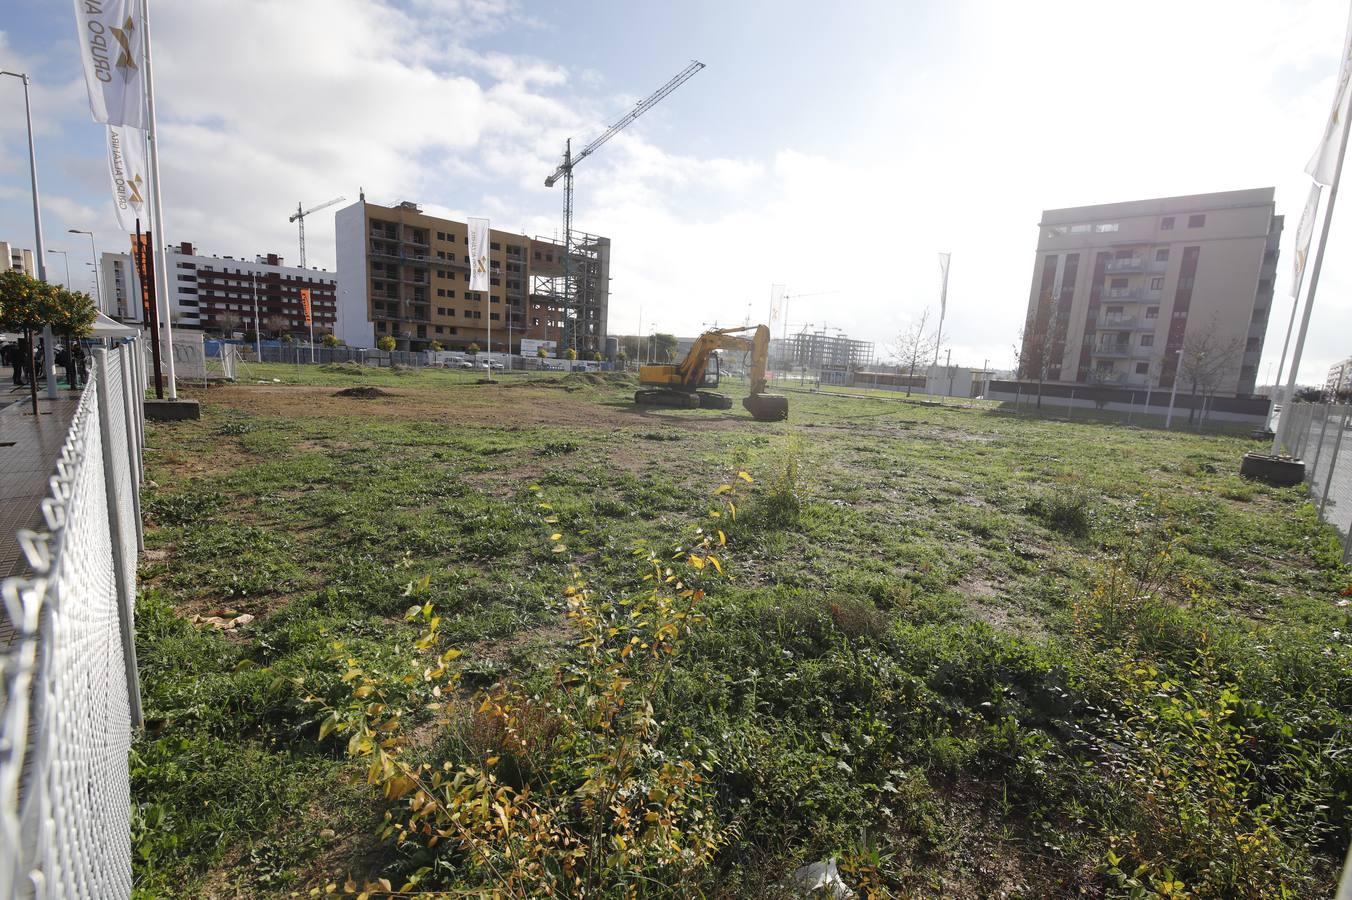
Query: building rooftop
(1160, 206)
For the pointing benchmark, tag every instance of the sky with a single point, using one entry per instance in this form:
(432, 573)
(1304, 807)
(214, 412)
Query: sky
(835, 149)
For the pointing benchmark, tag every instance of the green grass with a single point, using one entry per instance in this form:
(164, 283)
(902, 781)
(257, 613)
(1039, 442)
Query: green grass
(963, 647)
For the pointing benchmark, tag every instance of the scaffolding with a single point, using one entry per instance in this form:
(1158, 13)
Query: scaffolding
(819, 350)
(576, 288)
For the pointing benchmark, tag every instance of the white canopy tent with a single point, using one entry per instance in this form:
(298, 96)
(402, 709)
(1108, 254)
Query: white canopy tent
(104, 327)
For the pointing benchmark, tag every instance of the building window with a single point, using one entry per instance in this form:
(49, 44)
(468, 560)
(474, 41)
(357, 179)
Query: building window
(441, 254)
(1143, 368)
(441, 235)
(1114, 310)
(1105, 228)
(1162, 254)
(1152, 312)
(1147, 340)
(439, 329)
(1104, 365)
(1157, 284)
(493, 316)
(1196, 221)
(441, 292)
(1118, 284)
(1167, 223)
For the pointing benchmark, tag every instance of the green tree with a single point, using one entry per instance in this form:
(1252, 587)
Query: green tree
(472, 349)
(622, 357)
(664, 347)
(570, 354)
(542, 352)
(386, 343)
(436, 346)
(596, 356)
(28, 305)
(329, 340)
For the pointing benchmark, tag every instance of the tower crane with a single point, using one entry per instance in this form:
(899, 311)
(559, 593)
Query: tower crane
(299, 217)
(565, 172)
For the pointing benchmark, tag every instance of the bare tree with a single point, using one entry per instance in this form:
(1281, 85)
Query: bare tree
(276, 324)
(1206, 364)
(913, 345)
(229, 322)
(1036, 353)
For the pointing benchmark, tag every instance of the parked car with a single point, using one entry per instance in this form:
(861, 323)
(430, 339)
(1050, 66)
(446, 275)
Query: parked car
(466, 364)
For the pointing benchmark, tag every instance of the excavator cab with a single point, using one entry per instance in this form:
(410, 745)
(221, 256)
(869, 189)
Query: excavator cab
(711, 371)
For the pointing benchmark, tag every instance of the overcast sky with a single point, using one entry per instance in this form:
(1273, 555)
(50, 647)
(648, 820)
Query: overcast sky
(826, 147)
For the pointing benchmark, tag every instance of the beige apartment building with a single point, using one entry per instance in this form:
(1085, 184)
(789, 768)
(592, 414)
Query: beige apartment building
(405, 274)
(1119, 290)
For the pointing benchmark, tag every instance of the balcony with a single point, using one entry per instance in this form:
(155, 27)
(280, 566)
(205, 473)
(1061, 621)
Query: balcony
(1130, 264)
(1121, 349)
(1123, 294)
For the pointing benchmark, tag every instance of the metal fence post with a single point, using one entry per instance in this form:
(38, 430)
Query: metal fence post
(1333, 463)
(121, 565)
(1319, 450)
(133, 452)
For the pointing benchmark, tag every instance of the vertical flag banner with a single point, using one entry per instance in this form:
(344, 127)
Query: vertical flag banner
(305, 305)
(943, 291)
(1303, 236)
(776, 304)
(140, 255)
(112, 49)
(1325, 159)
(129, 174)
(478, 254)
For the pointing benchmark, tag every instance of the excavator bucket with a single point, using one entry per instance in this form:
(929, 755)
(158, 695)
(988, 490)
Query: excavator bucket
(767, 407)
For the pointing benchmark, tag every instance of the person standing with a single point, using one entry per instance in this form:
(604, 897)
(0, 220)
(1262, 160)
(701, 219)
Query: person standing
(22, 354)
(72, 366)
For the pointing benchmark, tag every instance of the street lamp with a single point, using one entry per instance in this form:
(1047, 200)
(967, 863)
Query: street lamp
(49, 357)
(65, 258)
(94, 256)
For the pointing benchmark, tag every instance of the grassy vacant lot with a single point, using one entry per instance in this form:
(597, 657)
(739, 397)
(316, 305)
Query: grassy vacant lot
(967, 654)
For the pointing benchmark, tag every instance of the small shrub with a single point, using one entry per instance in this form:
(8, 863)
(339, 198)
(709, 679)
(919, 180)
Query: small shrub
(556, 448)
(1066, 510)
(778, 504)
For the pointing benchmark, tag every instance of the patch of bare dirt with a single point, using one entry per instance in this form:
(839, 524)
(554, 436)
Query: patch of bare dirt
(364, 393)
(497, 405)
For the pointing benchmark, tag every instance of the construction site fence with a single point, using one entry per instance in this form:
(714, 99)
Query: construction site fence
(1319, 434)
(71, 699)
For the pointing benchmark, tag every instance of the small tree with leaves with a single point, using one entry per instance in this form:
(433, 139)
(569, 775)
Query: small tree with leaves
(622, 358)
(329, 340)
(472, 349)
(570, 354)
(28, 305)
(913, 345)
(436, 346)
(386, 343)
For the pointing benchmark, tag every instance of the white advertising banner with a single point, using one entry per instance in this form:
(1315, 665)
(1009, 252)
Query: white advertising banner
(129, 173)
(1303, 236)
(1325, 159)
(112, 48)
(478, 254)
(943, 290)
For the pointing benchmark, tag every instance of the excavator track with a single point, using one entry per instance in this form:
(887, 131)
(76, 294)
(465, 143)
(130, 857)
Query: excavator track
(658, 397)
(711, 400)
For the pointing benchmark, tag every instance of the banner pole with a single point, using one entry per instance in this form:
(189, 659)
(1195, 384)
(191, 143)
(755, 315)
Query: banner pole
(157, 201)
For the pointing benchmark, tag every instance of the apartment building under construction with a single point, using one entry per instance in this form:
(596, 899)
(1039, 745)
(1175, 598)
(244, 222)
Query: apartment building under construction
(405, 274)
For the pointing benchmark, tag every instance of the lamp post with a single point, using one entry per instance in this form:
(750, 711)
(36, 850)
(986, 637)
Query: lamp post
(94, 258)
(49, 357)
(65, 257)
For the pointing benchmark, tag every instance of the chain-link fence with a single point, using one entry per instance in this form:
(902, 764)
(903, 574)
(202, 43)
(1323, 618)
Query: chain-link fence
(70, 693)
(1319, 434)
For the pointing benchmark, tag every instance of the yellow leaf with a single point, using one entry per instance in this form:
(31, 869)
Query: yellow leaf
(364, 691)
(696, 561)
(555, 536)
(491, 761)
(724, 489)
(732, 508)
(714, 561)
(715, 514)
(722, 539)
(745, 477)
(551, 519)
(559, 548)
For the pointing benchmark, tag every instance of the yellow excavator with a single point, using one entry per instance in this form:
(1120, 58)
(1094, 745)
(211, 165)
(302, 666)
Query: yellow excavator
(684, 384)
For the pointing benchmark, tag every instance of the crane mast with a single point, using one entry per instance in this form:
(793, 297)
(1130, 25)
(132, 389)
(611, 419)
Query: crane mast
(565, 172)
(299, 217)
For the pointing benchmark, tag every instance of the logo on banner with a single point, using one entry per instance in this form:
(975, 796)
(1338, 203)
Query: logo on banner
(126, 58)
(305, 303)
